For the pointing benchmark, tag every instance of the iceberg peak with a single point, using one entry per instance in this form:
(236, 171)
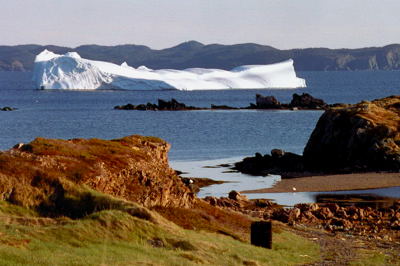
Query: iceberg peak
(45, 55)
(73, 55)
(144, 68)
(125, 64)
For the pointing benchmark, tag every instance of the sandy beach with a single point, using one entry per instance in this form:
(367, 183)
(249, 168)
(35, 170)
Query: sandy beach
(333, 183)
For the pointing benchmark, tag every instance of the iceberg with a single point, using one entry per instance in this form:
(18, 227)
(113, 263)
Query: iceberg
(71, 72)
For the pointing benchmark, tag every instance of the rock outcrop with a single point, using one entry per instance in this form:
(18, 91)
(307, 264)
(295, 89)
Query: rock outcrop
(380, 223)
(303, 102)
(267, 102)
(282, 163)
(299, 102)
(306, 101)
(7, 108)
(364, 136)
(134, 168)
(347, 138)
(172, 105)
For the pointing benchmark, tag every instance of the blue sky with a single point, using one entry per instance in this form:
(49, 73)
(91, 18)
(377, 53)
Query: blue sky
(159, 24)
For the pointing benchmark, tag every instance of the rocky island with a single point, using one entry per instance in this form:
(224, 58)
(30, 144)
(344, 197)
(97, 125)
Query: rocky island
(8, 108)
(299, 102)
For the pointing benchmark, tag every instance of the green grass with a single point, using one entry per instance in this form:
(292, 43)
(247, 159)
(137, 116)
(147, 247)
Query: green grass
(374, 258)
(114, 237)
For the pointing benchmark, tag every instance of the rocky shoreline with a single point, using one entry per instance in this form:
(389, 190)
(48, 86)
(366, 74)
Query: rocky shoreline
(380, 223)
(44, 173)
(299, 102)
(130, 177)
(363, 137)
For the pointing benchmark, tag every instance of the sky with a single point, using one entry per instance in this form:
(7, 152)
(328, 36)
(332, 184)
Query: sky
(283, 24)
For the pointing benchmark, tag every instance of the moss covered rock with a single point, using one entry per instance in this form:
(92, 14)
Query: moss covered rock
(363, 136)
(51, 172)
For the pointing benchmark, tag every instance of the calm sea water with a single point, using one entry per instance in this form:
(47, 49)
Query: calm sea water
(194, 135)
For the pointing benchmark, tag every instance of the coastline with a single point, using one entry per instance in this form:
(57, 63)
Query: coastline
(326, 183)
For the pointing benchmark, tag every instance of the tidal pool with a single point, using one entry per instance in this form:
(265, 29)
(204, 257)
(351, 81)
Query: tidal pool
(220, 170)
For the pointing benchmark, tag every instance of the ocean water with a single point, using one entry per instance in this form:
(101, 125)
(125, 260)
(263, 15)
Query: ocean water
(196, 136)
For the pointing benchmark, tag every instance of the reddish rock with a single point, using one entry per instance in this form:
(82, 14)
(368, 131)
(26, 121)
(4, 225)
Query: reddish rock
(280, 215)
(345, 224)
(212, 200)
(333, 207)
(324, 213)
(294, 215)
(314, 207)
(234, 195)
(361, 214)
(134, 168)
(341, 213)
(396, 217)
(309, 217)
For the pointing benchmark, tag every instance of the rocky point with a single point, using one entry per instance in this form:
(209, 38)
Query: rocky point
(347, 138)
(135, 168)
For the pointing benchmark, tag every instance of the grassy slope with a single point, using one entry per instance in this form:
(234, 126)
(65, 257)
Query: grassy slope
(113, 237)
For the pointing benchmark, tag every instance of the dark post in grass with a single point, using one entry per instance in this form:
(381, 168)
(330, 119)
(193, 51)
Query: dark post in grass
(261, 234)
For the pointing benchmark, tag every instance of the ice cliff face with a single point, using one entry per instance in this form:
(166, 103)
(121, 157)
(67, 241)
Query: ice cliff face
(70, 71)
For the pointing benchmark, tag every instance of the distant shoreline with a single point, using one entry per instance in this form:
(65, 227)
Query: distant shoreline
(194, 54)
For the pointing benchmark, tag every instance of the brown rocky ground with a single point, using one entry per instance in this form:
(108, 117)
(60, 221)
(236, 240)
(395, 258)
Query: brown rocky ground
(380, 222)
(344, 249)
(344, 233)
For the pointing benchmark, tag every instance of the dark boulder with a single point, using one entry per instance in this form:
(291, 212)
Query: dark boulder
(278, 163)
(234, 195)
(162, 105)
(7, 108)
(171, 105)
(306, 101)
(267, 102)
(222, 107)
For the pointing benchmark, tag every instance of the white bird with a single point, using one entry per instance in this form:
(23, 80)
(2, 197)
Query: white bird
(294, 189)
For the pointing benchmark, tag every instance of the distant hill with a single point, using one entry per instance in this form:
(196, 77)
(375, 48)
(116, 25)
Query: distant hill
(195, 54)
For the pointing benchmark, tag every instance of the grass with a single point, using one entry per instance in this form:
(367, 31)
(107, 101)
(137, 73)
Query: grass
(372, 259)
(206, 217)
(114, 237)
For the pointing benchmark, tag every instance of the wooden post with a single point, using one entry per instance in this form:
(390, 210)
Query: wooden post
(261, 234)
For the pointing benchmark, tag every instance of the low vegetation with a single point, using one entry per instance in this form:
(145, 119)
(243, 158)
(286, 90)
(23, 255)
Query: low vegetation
(115, 237)
(96, 202)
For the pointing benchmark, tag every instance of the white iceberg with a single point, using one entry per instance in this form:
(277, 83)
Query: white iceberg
(70, 71)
